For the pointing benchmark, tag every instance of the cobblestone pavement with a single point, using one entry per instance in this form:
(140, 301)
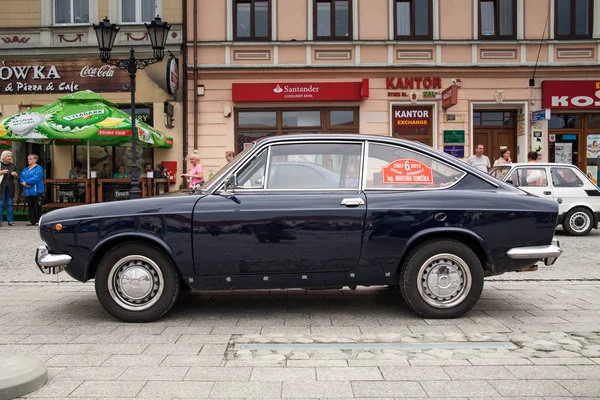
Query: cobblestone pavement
(532, 336)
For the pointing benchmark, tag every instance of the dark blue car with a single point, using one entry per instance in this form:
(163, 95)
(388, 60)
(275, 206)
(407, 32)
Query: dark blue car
(309, 211)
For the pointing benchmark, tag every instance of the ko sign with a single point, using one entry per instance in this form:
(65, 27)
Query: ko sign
(571, 94)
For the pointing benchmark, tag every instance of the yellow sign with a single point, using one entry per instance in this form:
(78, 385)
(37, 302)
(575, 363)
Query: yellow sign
(597, 85)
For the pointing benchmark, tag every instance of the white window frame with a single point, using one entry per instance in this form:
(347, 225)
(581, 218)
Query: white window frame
(93, 14)
(138, 12)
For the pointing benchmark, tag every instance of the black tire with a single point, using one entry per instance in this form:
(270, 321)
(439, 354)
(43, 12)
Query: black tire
(461, 271)
(142, 300)
(578, 221)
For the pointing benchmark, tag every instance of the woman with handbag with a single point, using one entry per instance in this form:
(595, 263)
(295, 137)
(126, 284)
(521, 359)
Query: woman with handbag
(32, 180)
(7, 186)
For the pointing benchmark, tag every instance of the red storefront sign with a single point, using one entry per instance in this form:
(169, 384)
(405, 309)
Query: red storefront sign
(571, 94)
(406, 170)
(313, 91)
(450, 97)
(419, 82)
(411, 120)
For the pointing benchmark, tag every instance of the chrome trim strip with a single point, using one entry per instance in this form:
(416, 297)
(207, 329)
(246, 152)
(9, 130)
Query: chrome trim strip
(534, 252)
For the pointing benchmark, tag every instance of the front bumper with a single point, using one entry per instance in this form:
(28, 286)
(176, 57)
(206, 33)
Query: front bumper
(51, 263)
(549, 253)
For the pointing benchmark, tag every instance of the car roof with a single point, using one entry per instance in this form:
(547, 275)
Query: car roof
(539, 164)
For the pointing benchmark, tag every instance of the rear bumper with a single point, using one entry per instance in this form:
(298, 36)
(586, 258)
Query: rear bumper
(50, 263)
(549, 253)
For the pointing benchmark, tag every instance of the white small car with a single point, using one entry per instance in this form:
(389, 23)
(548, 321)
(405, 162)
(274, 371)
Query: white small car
(577, 196)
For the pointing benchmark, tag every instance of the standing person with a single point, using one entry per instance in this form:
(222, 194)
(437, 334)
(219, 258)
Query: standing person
(196, 175)
(7, 186)
(32, 180)
(478, 160)
(229, 155)
(504, 158)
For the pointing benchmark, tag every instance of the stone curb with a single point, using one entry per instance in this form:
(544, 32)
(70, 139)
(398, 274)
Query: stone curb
(20, 375)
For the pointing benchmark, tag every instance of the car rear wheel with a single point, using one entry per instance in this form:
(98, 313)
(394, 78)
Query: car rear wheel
(441, 279)
(578, 222)
(136, 282)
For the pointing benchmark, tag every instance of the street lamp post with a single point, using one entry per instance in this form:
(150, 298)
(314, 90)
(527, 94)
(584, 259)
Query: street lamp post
(106, 33)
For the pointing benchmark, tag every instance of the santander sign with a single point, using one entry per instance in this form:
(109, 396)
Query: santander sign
(301, 91)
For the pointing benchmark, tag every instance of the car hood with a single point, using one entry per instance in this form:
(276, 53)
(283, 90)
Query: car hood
(179, 202)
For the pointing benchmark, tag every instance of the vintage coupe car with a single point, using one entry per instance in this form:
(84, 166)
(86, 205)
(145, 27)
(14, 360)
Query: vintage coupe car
(398, 213)
(577, 197)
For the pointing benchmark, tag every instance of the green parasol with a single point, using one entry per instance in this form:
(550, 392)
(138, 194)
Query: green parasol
(79, 118)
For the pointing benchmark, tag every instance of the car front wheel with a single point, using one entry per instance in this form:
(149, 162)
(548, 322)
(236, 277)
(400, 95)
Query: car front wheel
(441, 279)
(578, 222)
(136, 282)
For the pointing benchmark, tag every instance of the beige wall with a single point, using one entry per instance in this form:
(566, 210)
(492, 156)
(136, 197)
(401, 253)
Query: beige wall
(20, 13)
(456, 19)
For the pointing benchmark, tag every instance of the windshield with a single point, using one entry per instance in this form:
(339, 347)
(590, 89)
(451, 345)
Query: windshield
(224, 168)
(499, 172)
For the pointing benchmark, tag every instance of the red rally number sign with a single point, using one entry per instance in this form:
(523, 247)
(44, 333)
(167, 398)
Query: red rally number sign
(407, 171)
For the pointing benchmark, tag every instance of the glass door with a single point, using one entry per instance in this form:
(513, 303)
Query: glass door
(564, 147)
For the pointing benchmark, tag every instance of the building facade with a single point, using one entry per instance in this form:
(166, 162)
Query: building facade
(48, 49)
(451, 73)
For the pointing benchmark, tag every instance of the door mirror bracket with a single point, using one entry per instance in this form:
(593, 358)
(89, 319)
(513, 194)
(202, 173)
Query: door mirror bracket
(229, 186)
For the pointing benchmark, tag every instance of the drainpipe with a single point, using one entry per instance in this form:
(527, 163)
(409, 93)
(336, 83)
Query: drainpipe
(185, 86)
(195, 75)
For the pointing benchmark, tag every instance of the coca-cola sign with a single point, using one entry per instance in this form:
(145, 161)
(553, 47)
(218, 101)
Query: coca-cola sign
(35, 77)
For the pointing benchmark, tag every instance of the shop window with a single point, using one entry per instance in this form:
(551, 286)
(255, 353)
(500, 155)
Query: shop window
(394, 167)
(565, 121)
(252, 19)
(301, 118)
(342, 118)
(138, 11)
(314, 166)
(413, 19)
(71, 11)
(252, 125)
(497, 19)
(593, 121)
(573, 19)
(257, 119)
(333, 19)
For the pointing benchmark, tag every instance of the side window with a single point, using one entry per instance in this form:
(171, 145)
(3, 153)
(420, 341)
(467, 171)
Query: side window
(252, 175)
(314, 166)
(393, 167)
(530, 177)
(565, 177)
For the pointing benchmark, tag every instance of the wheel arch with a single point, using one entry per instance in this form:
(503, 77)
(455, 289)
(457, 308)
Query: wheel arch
(582, 205)
(108, 243)
(469, 238)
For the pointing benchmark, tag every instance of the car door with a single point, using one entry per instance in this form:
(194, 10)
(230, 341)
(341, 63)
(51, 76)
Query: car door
(533, 179)
(408, 192)
(277, 221)
(568, 187)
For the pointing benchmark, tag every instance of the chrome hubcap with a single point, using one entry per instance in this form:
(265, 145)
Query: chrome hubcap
(135, 283)
(579, 221)
(444, 281)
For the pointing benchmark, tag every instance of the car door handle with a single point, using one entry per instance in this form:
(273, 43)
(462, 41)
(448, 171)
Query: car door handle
(547, 193)
(353, 202)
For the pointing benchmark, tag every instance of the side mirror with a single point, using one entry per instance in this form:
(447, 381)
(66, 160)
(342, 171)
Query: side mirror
(231, 182)
(510, 182)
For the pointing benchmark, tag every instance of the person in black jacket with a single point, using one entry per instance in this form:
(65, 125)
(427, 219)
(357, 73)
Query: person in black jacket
(7, 186)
